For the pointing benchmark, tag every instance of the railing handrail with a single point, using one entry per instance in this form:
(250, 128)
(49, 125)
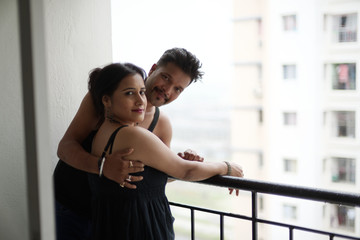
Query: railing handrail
(257, 186)
(315, 194)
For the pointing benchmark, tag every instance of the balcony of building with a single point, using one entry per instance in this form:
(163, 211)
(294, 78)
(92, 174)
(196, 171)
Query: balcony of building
(47, 49)
(344, 208)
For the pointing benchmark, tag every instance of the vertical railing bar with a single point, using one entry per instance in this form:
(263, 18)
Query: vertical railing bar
(221, 227)
(192, 225)
(331, 236)
(254, 215)
(291, 233)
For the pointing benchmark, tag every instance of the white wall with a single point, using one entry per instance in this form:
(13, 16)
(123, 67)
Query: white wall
(77, 39)
(13, 209)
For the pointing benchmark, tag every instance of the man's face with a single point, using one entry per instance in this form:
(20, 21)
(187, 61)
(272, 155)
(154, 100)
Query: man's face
(164, 84)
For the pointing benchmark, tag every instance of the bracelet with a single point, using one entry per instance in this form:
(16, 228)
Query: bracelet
(101, 165)
(228, 168)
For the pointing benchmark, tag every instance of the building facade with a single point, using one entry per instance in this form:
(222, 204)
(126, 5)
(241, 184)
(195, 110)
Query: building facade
(296, 114)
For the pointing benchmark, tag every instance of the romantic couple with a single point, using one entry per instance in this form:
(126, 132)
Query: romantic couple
(116, 157)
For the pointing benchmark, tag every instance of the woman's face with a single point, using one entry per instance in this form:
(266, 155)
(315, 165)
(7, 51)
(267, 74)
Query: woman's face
(128, 102)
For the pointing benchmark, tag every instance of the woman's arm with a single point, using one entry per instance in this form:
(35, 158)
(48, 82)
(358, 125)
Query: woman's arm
(152, 152)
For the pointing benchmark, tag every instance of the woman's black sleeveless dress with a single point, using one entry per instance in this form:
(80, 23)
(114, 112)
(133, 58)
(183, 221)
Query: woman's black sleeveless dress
(122, 213)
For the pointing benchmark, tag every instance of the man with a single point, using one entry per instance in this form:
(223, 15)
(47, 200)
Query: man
(168, 78)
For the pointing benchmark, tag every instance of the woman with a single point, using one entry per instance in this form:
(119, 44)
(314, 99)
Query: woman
(118, 92)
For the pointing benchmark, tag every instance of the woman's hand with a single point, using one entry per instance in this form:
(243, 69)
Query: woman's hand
(236, 171)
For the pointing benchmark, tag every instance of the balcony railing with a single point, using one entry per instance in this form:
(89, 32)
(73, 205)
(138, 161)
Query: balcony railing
(255, 187)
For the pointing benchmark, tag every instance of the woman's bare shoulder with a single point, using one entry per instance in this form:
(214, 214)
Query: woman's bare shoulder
(138, 138)
(136, 133)
(134, 130)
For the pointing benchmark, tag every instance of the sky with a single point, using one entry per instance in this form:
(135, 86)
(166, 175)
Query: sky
(142, 30)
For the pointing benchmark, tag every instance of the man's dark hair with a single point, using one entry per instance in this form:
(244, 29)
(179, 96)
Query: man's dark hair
(185, 60)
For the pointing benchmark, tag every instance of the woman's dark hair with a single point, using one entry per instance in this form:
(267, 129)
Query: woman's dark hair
(104, 81)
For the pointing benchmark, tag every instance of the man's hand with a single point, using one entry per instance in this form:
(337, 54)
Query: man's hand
(191, 156)
(118, 168)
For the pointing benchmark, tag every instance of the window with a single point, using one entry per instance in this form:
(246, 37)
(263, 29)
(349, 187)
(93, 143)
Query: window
(289, 72)
(289, 23)
(343, 217)
(343, 170)
(344, 124)
(261, 116)
(290, 118)
(290, 165)
(344, 76)
(260, 32)
(289, 211)
(345, 28)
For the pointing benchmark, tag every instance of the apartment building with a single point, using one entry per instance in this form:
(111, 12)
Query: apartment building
(296, 109)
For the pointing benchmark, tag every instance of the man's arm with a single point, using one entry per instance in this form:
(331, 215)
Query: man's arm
(69, 148)
(71, 152)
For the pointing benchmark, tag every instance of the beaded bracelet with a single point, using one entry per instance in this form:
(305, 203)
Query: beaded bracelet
(228, 168)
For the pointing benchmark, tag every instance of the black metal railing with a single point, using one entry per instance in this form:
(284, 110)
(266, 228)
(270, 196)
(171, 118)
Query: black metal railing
(255, 187)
